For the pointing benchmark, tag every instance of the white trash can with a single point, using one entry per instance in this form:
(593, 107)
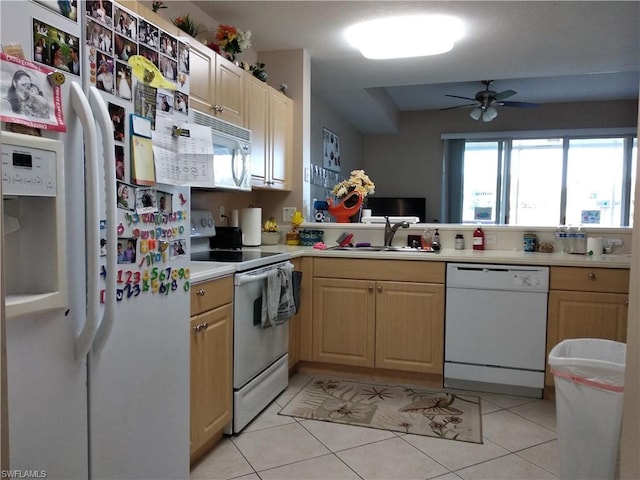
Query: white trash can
(589, 379)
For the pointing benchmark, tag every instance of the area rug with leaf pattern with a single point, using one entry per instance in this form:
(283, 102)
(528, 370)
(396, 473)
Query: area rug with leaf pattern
(416, 410)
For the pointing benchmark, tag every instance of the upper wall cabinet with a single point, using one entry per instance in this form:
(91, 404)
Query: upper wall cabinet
(269, 116)
(216, 86)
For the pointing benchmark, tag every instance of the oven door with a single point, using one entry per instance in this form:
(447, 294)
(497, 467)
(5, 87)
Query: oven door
(254, 348)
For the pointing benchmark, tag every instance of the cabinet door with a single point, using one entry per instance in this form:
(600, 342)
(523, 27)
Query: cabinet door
(281, 138)
(211, 377)
(585, 315)
(257, 120)
(229, 91)
(202, 67)
(410, 326)
(344, 321)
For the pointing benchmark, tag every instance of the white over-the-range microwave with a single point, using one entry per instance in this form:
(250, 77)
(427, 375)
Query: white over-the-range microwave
(231, 153)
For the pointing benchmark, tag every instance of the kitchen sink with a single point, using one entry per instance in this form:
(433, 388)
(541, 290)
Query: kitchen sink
(381, 248)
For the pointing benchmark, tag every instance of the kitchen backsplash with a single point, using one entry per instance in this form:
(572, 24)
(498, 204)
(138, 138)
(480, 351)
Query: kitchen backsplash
(496, 237)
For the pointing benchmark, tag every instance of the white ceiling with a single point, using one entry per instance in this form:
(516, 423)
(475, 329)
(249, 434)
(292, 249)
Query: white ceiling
(560, 51)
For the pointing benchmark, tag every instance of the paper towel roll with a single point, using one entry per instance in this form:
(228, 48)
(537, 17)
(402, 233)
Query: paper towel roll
(251, 226)
(234, 218)
(595, 245)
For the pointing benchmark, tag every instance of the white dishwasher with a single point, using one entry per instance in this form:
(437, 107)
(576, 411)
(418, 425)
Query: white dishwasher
(495, 328)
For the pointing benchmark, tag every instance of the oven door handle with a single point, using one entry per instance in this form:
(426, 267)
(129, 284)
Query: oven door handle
(244, 279)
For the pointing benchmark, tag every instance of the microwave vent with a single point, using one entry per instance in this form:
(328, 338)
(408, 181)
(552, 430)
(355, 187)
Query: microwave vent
(220, 126)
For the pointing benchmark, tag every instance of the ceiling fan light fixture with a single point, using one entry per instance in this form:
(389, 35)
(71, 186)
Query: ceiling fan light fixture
(476, 113)
(422, 35)
(489, 114)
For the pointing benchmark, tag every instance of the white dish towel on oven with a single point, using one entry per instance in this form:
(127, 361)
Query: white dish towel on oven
(277, 297)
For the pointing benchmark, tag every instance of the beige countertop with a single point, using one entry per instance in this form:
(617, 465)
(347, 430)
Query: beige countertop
(201, 271)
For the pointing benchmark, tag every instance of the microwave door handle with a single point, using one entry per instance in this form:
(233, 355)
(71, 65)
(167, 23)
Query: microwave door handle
(238, 181)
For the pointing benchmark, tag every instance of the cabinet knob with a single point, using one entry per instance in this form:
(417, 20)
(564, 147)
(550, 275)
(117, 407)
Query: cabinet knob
(200, 293)
(196, 328)
(371, 288)
(204, 325)
(379, 289)
(592, 276)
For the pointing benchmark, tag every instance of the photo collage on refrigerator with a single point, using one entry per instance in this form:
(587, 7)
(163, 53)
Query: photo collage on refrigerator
(113, 35)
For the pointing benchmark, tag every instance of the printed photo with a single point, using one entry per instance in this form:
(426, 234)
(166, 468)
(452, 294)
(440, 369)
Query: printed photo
(145, 102)
(101, 11)
(149, 54)
(168, 68)
(183, 82)
(66, 8)
(55, 48)
(148, 34)
(168, 45)
(127, 250)
(123, 88)
(104, 73)
(126, 196)
(181, 103)
(165, 102)
(120, 165)
(177, 249)
(124, 48)
(165, 202)
(27, 97)
(125, 23)
(146, 200)
(183, 57)
(99, 36)
(116, 112)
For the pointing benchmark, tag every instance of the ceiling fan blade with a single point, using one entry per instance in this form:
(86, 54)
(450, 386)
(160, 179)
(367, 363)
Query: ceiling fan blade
(505, 94)
(519, 104)
(458, 96)
(461, 106)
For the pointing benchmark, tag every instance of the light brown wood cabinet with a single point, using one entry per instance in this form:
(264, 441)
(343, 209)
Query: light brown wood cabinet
(269, 116)
(211, 384)
(381, 314)
(216, 85)
(586, 303)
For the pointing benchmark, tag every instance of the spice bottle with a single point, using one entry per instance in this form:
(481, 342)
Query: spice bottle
(459, 242)
(478, 239)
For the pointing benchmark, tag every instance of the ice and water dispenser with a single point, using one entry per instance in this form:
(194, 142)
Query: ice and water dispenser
(34, 224)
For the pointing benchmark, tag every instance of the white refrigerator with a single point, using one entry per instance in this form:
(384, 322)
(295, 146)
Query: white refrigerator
(98, 385)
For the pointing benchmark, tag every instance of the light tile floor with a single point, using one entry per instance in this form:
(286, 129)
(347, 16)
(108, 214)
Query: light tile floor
(519, 437)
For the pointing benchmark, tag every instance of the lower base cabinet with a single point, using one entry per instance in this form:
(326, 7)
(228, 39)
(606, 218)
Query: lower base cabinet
(586, 303)
(211, 386)
(386, 324)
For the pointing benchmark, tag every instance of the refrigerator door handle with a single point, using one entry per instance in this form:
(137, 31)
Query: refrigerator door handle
(109, 168)
(81, 107)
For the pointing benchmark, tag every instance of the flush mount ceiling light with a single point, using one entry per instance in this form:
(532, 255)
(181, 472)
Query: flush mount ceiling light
(404, 37)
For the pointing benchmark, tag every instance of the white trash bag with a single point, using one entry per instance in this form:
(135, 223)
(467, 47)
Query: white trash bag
(589, 379)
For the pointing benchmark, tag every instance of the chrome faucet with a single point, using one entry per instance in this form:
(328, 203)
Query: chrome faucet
(390, 230)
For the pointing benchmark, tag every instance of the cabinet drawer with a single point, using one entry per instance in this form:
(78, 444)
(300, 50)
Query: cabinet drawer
(398, 270)
(609, 280)
(212, 294)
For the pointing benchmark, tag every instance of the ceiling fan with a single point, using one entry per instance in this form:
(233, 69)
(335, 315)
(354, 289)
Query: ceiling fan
(486, 100)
